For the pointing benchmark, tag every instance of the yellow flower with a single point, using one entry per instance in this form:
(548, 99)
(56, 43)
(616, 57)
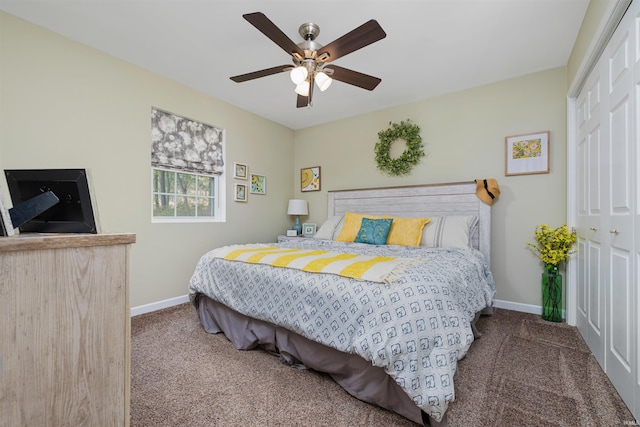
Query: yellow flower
(554, 245)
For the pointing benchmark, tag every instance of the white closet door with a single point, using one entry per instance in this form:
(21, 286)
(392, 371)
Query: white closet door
(608, 189)
(621, 59)
(591, 290)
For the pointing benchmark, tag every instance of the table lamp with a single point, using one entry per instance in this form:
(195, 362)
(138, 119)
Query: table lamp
(297, 207)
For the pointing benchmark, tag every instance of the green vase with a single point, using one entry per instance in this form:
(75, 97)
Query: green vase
(551, 293)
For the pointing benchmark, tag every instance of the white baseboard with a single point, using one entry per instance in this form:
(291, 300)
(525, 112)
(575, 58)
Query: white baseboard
(516, 306)
(525, 308)
(154, 306)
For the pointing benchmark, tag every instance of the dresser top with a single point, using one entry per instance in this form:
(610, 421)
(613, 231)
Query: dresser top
(40, 241)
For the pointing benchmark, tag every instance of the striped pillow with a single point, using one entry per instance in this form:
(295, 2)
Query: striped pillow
(328, 229)
(449, 232)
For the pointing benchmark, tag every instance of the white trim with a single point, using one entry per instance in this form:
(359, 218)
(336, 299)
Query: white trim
(610, 20)
(571, 299)
(517, 306)
(159, 305)
(155, 306)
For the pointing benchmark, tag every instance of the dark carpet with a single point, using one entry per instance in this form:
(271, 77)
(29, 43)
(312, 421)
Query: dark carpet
(523, 371)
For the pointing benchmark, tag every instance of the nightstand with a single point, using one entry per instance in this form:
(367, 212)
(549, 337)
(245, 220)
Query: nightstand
(283, 238)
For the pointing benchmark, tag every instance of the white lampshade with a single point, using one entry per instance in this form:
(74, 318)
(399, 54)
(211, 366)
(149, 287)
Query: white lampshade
(298, 75)
(303, 89)
(323, 81)
(297, 207)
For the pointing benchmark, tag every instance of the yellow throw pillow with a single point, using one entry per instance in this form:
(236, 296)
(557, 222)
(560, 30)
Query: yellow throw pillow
(352, 223)
(406, 231)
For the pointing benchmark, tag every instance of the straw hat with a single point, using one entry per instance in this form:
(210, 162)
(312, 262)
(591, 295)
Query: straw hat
(487, 190)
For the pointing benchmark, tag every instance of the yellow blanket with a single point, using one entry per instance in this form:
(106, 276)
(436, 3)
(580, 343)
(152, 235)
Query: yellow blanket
(381, 269)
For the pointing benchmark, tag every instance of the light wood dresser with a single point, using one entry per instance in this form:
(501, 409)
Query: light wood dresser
(65, 329)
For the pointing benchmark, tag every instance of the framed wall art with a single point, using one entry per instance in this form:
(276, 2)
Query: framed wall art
(240, 192)
(258, 184)
(310, 179)
(308, 229)
(527, 154)
(240, 170)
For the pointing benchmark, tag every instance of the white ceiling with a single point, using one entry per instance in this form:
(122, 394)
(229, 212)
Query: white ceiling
(432, 46)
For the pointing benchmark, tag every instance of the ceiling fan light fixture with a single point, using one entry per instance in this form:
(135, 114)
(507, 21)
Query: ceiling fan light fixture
(299, 75)
(323, 81)
(303, 88)
(309, 57)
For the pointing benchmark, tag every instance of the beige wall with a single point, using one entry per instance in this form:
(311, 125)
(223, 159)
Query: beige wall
(464, 135)
(65, 105)
(592, 20)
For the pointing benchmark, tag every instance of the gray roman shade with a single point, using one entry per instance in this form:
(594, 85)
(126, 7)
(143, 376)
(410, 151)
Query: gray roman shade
(185, 144)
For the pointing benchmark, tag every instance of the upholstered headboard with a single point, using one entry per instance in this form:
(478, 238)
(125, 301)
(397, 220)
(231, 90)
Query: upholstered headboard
(429, 200)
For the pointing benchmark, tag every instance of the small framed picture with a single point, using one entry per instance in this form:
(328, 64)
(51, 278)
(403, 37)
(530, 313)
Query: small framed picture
(308, 229)
(258, 184)
(240, 170)
(527, 154)
(240, 192)
(310, 179)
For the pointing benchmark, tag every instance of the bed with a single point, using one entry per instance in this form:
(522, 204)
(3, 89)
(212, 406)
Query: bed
(390, 333)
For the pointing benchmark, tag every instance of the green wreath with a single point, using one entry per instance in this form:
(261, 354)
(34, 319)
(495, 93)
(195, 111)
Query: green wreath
(410, 157)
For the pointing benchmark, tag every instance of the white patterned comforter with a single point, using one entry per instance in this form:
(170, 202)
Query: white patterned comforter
(415, 329)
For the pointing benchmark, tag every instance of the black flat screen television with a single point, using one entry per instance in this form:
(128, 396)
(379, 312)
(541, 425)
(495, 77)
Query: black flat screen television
(74, 211)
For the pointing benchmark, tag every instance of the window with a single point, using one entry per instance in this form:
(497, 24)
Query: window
(187, 166)
(184, 195)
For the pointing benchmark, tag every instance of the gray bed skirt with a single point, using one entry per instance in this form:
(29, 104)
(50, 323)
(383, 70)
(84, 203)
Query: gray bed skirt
(354, 374)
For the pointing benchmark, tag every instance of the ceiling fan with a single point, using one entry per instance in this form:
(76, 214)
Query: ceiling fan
(311, 59)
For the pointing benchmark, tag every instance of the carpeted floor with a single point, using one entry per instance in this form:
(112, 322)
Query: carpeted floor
(523, 371)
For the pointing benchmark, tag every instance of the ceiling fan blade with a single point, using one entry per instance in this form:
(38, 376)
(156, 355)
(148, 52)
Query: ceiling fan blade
(269, 29)
(262, 73)
(364, 35)
(355, 78)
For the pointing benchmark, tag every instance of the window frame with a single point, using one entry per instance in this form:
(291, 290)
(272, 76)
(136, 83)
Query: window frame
(219, 198)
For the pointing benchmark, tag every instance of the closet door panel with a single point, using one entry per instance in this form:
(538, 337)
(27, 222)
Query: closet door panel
(591, 292)
(620, 147)
(582, 212)
(620, 176)
(582, 168)
(594, 179)
(597, 275)
(620, 348)
(595, 335)
(619, 62)
(618, 184)
(582, 277)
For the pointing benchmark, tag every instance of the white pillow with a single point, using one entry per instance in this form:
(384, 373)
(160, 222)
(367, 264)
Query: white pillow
(449, 232)
(327, 230)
